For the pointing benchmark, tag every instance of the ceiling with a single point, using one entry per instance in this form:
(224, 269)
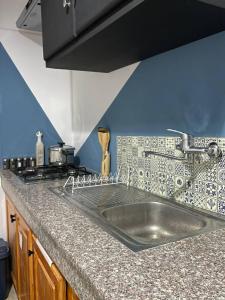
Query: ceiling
(9, 13)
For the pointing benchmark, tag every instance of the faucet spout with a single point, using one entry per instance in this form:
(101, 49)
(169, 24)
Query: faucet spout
(187, 147)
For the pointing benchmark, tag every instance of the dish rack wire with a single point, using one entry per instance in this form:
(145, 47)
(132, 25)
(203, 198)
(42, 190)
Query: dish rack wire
(87, 181)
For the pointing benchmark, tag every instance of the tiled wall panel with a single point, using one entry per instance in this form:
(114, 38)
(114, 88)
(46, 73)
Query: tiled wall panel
(199, 182)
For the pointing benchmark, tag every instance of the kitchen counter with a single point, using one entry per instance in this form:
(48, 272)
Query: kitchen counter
(99, 267)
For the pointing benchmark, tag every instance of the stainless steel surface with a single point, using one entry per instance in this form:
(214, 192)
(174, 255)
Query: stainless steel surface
(187, 147)
(214, 150)
(36, 174)
(87, 181)
(149, 153)
(218, 3)
(139, 219)
(61, 154)
(30, 18)
(66, 3)
(152, 222)
(127, 177)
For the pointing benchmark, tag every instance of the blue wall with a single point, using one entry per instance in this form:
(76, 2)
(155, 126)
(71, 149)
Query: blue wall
(182, 89)
(20, 114)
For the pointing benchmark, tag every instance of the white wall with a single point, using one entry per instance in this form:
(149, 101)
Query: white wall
(9, 13)
(52, 88)
(73, 101)
(92, 95)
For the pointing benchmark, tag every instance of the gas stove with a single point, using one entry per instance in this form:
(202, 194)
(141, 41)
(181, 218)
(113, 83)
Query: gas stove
(33, 174)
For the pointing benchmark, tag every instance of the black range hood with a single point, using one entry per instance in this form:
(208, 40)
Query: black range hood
(218, 3)
(30, 18)
(135, 30)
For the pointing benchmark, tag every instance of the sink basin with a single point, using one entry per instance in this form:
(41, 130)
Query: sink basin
(153, 221)
(139, 219)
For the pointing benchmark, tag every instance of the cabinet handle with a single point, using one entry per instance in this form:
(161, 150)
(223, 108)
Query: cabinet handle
(29, 252)
(13, 218)
(66, 3)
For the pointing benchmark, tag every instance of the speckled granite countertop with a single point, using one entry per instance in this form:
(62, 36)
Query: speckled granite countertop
(99, 267)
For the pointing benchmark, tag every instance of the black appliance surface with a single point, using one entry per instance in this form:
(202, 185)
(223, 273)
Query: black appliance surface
(89, 11)
(5, 276)
(30, 17)
(49, 172)
(138, 30)
(60, 24)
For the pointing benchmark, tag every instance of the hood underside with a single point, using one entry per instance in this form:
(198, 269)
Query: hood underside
(30, 17)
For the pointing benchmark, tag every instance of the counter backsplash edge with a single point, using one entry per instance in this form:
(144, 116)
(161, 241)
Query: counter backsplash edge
(199, 182)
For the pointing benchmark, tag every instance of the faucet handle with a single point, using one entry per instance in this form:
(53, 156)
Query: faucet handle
(177, 131)
(182, 134)
(186, 140)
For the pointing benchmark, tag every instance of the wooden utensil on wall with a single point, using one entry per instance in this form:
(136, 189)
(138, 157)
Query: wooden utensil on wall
(104, 138)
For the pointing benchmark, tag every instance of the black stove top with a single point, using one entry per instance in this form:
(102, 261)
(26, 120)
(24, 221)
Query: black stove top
(49, 172)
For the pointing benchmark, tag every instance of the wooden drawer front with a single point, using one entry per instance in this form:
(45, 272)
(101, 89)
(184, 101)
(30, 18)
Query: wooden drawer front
(25, 269)
(71, 294)
(48, 282)
(12, 239)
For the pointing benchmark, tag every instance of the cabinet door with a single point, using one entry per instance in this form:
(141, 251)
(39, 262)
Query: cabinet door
(12, 239)
(48, 282)
(89, 11)
(25, 270)
(71, 295)
(58, 24)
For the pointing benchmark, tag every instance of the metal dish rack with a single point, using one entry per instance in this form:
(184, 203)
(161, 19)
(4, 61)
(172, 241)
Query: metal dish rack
(95, 180)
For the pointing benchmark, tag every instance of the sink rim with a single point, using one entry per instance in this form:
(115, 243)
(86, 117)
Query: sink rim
(94, 212)
(187, 210)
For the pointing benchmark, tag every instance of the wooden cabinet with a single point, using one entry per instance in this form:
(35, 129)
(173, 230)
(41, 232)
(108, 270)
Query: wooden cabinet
(71, 294)
(25, 268)
(12, 239)
(48, 282)
(34, 275)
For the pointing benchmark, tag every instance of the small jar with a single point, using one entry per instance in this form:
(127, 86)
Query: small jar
(5, 164)
(32, 162)
(12, 165)
(25, 162)
(19, 163)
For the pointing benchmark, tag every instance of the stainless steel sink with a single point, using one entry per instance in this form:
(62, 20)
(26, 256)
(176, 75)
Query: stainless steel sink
(153, 221)
(139, 219)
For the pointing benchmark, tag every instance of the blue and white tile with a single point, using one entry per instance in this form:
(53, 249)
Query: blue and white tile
(169, 178)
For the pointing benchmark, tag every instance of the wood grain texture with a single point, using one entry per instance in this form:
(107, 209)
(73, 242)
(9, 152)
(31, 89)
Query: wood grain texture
(12, 239)
(71, 295)
(104, 139)
(25, 270)
(48, 282)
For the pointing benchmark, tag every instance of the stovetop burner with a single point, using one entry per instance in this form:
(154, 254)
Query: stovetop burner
(50, 172)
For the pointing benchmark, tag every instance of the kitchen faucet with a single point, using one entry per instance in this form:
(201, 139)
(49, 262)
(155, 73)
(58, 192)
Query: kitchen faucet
(187, 147)
(128, 179)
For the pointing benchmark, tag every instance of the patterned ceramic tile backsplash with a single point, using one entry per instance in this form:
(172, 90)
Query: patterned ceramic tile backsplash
(199, 182)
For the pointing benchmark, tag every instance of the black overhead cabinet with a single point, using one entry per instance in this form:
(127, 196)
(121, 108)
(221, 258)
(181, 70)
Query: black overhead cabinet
(104, 35)
(64, 20)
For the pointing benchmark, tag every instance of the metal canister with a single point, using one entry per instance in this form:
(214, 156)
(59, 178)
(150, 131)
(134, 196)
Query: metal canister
(32, 162)
(5, 163)
(12, 164)
(19, 163)
(25, 163)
